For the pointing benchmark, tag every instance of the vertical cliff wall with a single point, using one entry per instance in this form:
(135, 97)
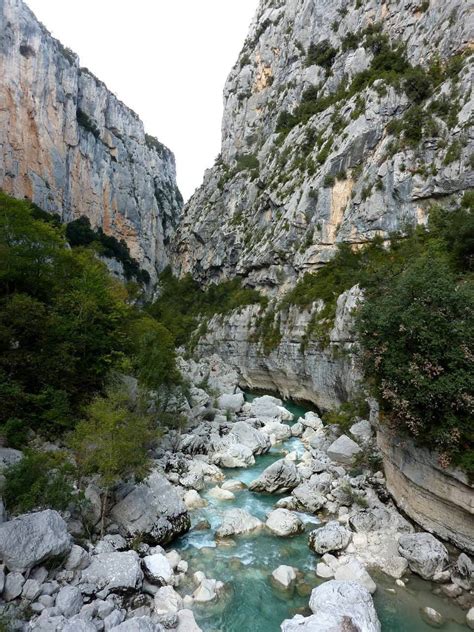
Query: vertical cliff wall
(68, 144)
(343, 120)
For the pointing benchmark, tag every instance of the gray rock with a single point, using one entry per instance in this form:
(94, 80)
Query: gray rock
(69, 601)
(187, 622)
(237, 521)
(31, 590)
(78, 559)
(279, 477)
(167, 602)
(361, 431)
(268, 408)
(353, 570)
(246, 435)
(470, 618)
(338, 607)
(432, 617)
(233, 403)
(13, 586)
(283, 522)
(235, 455)
(77, 625)
(111, 543)
(33, 538)
(379, 519)
(9, 456)
(138, 624)
(154, 510)
(112, 572)
(462, 572)
(330, 537)
(113, 620)
(343, 450)
(284, 576)
(157, 569)
(425, 554)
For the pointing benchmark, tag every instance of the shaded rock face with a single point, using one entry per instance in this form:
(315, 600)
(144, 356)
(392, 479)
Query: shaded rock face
(307, 372)
(439, 499)
(267, 211)
(68, 144)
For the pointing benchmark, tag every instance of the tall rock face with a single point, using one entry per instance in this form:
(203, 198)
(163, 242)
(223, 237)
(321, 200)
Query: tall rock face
(328, 137)
(68, 144)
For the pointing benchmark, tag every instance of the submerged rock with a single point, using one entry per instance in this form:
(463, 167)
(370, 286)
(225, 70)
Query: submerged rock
(284, 576)
(279, 477)
(30, 539)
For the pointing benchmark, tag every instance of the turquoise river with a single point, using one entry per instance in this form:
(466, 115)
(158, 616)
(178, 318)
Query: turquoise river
(245, 563)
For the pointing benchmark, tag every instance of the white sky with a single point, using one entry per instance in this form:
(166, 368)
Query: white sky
(166, 59)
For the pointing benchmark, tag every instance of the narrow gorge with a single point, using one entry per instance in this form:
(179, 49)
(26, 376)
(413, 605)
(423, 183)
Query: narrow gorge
(252, 411)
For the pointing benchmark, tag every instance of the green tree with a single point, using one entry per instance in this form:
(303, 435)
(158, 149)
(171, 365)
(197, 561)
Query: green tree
(113, 442)
(417, 333)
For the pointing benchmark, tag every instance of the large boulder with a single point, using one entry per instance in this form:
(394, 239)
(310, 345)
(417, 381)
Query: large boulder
(343, 450)
(236, 455)
(338, 606)
(249, 436)
(268, 407)
(379, 519)
(232, 403)
(33, 538)
(153, 510)
(187, 622)
(236, 521)
(280, 477)
(112, 572)
(283, 522)
(425, 554)
(276, 431)
(331, 537)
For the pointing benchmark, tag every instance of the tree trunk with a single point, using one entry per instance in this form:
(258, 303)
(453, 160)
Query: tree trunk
(103, 511)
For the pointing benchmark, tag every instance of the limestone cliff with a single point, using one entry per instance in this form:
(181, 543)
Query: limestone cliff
(327, 138)
(68, 144)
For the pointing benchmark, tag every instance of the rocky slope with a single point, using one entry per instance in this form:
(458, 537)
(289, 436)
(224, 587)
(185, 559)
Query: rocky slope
(355, 154)
(68, 144)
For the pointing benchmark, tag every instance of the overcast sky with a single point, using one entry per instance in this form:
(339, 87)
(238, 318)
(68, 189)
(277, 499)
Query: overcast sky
(166, 59)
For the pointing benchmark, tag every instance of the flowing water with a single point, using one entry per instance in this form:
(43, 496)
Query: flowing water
(251, 603)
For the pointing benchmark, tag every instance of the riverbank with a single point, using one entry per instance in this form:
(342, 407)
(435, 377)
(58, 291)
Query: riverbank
(258, 514)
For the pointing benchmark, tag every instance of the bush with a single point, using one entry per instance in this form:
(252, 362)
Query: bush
(40, 480)
(321, 54)
(416, 335)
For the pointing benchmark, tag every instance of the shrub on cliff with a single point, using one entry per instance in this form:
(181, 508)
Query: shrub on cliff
(416, 328)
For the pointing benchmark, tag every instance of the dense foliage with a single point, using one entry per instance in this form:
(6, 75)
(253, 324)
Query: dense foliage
(416, 328)
(416, 325)
(182, 302)
(40, 480)
(65, 324)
